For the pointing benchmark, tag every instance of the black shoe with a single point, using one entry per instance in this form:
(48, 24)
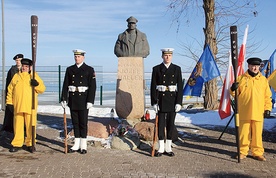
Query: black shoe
(31, 149)
(73, 151)
(158, 154)
(83, 151)
(15, 149)
(171, 154)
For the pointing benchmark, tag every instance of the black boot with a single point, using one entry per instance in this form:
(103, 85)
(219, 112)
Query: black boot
(15, 149)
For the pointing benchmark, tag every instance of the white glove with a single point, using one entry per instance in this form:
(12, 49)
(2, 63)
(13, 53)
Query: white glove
(156, 108)
(72, 88)
(82, 89)
(172, 88)
(161, 88)
(177, 107)
(89, 105)
(63, 104)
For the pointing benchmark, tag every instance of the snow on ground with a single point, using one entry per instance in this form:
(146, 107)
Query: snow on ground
(195, 116)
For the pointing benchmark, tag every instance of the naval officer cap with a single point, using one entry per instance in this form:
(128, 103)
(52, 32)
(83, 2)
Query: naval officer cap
(18, 56)
(254, 61)
(79, 52)
(26, 61)
(167, 50)
(132, 19)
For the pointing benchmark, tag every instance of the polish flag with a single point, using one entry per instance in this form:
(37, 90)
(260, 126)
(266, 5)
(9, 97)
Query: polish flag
(225, 100)
(241, 58)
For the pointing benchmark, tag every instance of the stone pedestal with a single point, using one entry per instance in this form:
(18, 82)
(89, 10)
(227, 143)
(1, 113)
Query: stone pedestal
(130, 95)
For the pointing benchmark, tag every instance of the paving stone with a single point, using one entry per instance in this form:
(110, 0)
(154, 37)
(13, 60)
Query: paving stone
(198, 153)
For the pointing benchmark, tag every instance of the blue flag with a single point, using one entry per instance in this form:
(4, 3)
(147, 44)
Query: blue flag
(267, 70)
(268, 67)
(206, 69)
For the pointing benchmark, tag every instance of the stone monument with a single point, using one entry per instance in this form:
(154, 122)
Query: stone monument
(131, 48)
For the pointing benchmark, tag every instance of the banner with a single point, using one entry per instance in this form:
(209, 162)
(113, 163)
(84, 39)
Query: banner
(225, 100)
(272, 80)
(241, 58)
(206, 69)
(267, 71)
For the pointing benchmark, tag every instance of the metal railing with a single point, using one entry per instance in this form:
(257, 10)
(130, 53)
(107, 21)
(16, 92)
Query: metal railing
(53, 77)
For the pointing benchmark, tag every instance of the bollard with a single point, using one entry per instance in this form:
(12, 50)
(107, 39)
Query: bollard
(101, 95)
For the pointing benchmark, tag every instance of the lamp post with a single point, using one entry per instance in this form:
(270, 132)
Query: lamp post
(3, 60)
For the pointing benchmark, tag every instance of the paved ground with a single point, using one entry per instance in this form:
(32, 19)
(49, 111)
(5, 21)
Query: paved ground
(198, 152)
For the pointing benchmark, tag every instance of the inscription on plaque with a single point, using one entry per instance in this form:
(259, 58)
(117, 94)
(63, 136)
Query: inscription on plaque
(130, 98)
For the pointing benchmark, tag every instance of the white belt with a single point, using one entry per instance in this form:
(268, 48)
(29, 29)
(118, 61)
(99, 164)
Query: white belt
(163, 88)
(79, 89)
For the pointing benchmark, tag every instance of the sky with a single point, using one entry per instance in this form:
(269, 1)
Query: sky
(94, 26)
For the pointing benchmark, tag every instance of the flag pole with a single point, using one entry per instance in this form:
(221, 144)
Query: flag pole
(226, 126)
(234, 53)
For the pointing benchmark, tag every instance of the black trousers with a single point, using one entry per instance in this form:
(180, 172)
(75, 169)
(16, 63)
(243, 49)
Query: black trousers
(166, 121)
(8, 121)
(79, 121)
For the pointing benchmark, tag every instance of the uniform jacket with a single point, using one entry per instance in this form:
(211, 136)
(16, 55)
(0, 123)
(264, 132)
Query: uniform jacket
(20, 92)
(254, 97)
(166, 76)
(121, 48)
(82, 76)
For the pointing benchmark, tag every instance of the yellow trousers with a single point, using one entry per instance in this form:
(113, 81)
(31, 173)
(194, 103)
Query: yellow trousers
(251, 137)
(19, 120)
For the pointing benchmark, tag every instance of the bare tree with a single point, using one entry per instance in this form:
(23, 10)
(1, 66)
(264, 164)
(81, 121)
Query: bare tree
(219, 16)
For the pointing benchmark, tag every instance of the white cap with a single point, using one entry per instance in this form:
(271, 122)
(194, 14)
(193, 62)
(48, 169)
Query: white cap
(167, 50)
(79, 52)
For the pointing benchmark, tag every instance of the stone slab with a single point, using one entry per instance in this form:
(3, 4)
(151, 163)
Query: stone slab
(130, 96)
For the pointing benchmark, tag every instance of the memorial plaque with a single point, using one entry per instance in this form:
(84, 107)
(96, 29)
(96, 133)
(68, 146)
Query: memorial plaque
(130, 96)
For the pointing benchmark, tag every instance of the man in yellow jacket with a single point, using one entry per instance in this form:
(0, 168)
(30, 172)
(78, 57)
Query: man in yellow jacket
(20, 96)
(254, 103)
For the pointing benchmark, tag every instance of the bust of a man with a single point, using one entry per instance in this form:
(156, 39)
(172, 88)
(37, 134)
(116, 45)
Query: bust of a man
(132, 42)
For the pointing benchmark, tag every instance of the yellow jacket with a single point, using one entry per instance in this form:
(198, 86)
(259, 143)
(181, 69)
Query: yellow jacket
(254, 97)
(20, 92)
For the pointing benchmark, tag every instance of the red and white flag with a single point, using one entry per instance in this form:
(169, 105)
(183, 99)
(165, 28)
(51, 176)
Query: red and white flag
(241, 58)
(225, 100)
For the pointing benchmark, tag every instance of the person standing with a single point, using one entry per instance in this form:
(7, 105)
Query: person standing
(78, 91)
(132, 42)
(20, 96)
(166, 98)
(8, 118)
(254, 103)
